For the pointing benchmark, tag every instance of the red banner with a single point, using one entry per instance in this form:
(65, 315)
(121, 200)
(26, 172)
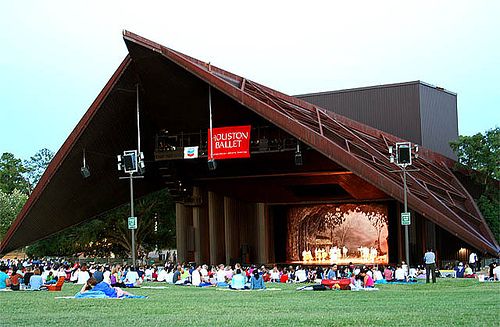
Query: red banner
(229, 142)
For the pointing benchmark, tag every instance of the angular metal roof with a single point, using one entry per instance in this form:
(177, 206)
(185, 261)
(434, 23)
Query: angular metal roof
(433, 190)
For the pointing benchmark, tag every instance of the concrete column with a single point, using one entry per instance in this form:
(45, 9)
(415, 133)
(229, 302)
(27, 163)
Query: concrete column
(216, 228)
(232, 229)
(200, 225)
(181, 231)
(262, 233)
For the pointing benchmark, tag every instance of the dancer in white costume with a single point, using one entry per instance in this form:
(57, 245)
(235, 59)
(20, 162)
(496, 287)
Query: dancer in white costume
(344, 252)
(324, 254)
(334, 256)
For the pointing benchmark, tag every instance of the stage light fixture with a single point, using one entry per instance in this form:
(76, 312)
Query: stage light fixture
(212, 164)
(85, 171)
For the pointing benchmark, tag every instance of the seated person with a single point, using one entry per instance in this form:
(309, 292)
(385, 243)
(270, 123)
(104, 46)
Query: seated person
(256, 281)
(459, 270)
(377, 275)
(332, 273)
(400, 274)
(468, 273)
(36, 282)
(196, 276)
(300, 275)
(27, 276)
(275, 275)
(221, 276)
(104, 287)
(284, 276)
(496, 273)
(177, 276)
(4, 278)
(238, 281)
(367, 280)
(413, 273)
(50, 279)
(15, 279)
(132, 278)
(388, 274)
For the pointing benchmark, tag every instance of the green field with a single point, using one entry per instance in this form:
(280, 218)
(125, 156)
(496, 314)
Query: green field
(447, 303)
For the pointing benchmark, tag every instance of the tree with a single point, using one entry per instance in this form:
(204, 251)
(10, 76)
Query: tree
(36, 166)
(10, 205)
(481, 155)
(12, 173)
(155, 223)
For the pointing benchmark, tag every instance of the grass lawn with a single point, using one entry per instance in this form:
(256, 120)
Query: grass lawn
(446, 303)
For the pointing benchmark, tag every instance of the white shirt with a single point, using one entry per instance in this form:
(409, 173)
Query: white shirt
(472, 258)
(132, 278)
(400, 274)
(377, 275)
(300, 275)
(169, 277)
(196, 278)
(107, 276)
(83, 276)
(162, 275)
(148, 274)
(496, 273)
(221, 276)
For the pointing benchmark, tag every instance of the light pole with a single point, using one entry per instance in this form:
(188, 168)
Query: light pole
(403, 158)
(131, 162)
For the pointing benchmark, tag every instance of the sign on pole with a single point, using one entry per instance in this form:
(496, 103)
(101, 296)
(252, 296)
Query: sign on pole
(405, 218)
(132, 222)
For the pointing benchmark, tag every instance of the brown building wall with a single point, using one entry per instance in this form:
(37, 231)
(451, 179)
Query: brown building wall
(414, 111)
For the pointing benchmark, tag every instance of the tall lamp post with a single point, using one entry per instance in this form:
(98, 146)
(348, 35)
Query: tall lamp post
(402, 156)
(131, 162)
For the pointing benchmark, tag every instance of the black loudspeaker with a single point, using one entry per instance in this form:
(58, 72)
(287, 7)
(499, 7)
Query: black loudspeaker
(212, 164)
(298, 159)
(404, 154)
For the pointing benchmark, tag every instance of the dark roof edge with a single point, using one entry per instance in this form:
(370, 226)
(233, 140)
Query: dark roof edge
(63, 152)
(372, 87)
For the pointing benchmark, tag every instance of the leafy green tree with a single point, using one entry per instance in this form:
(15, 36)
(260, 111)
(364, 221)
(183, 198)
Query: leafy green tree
(155, 223)
(10, 205)
(481, 153)
(36, 166)
(12, 173)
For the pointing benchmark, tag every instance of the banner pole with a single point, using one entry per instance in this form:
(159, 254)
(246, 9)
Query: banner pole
(211, 156)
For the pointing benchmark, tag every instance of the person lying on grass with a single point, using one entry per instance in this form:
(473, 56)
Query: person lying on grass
(93, 285)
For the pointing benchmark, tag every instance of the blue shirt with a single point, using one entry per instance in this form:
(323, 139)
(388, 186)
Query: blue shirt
(35, 282)
(257, 283)
(331, 274)
(105, 288)
(238, 281)
(429, 258)
(3, 278)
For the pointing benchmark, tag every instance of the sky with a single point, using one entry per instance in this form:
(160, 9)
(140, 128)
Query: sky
(56, 56)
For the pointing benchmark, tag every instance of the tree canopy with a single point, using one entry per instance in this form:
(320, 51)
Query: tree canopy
(481, 154)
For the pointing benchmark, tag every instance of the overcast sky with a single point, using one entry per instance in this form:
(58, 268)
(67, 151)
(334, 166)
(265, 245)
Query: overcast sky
(55, 56)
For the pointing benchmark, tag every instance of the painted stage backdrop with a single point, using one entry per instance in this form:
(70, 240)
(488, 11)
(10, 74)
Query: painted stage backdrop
(338, 233)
